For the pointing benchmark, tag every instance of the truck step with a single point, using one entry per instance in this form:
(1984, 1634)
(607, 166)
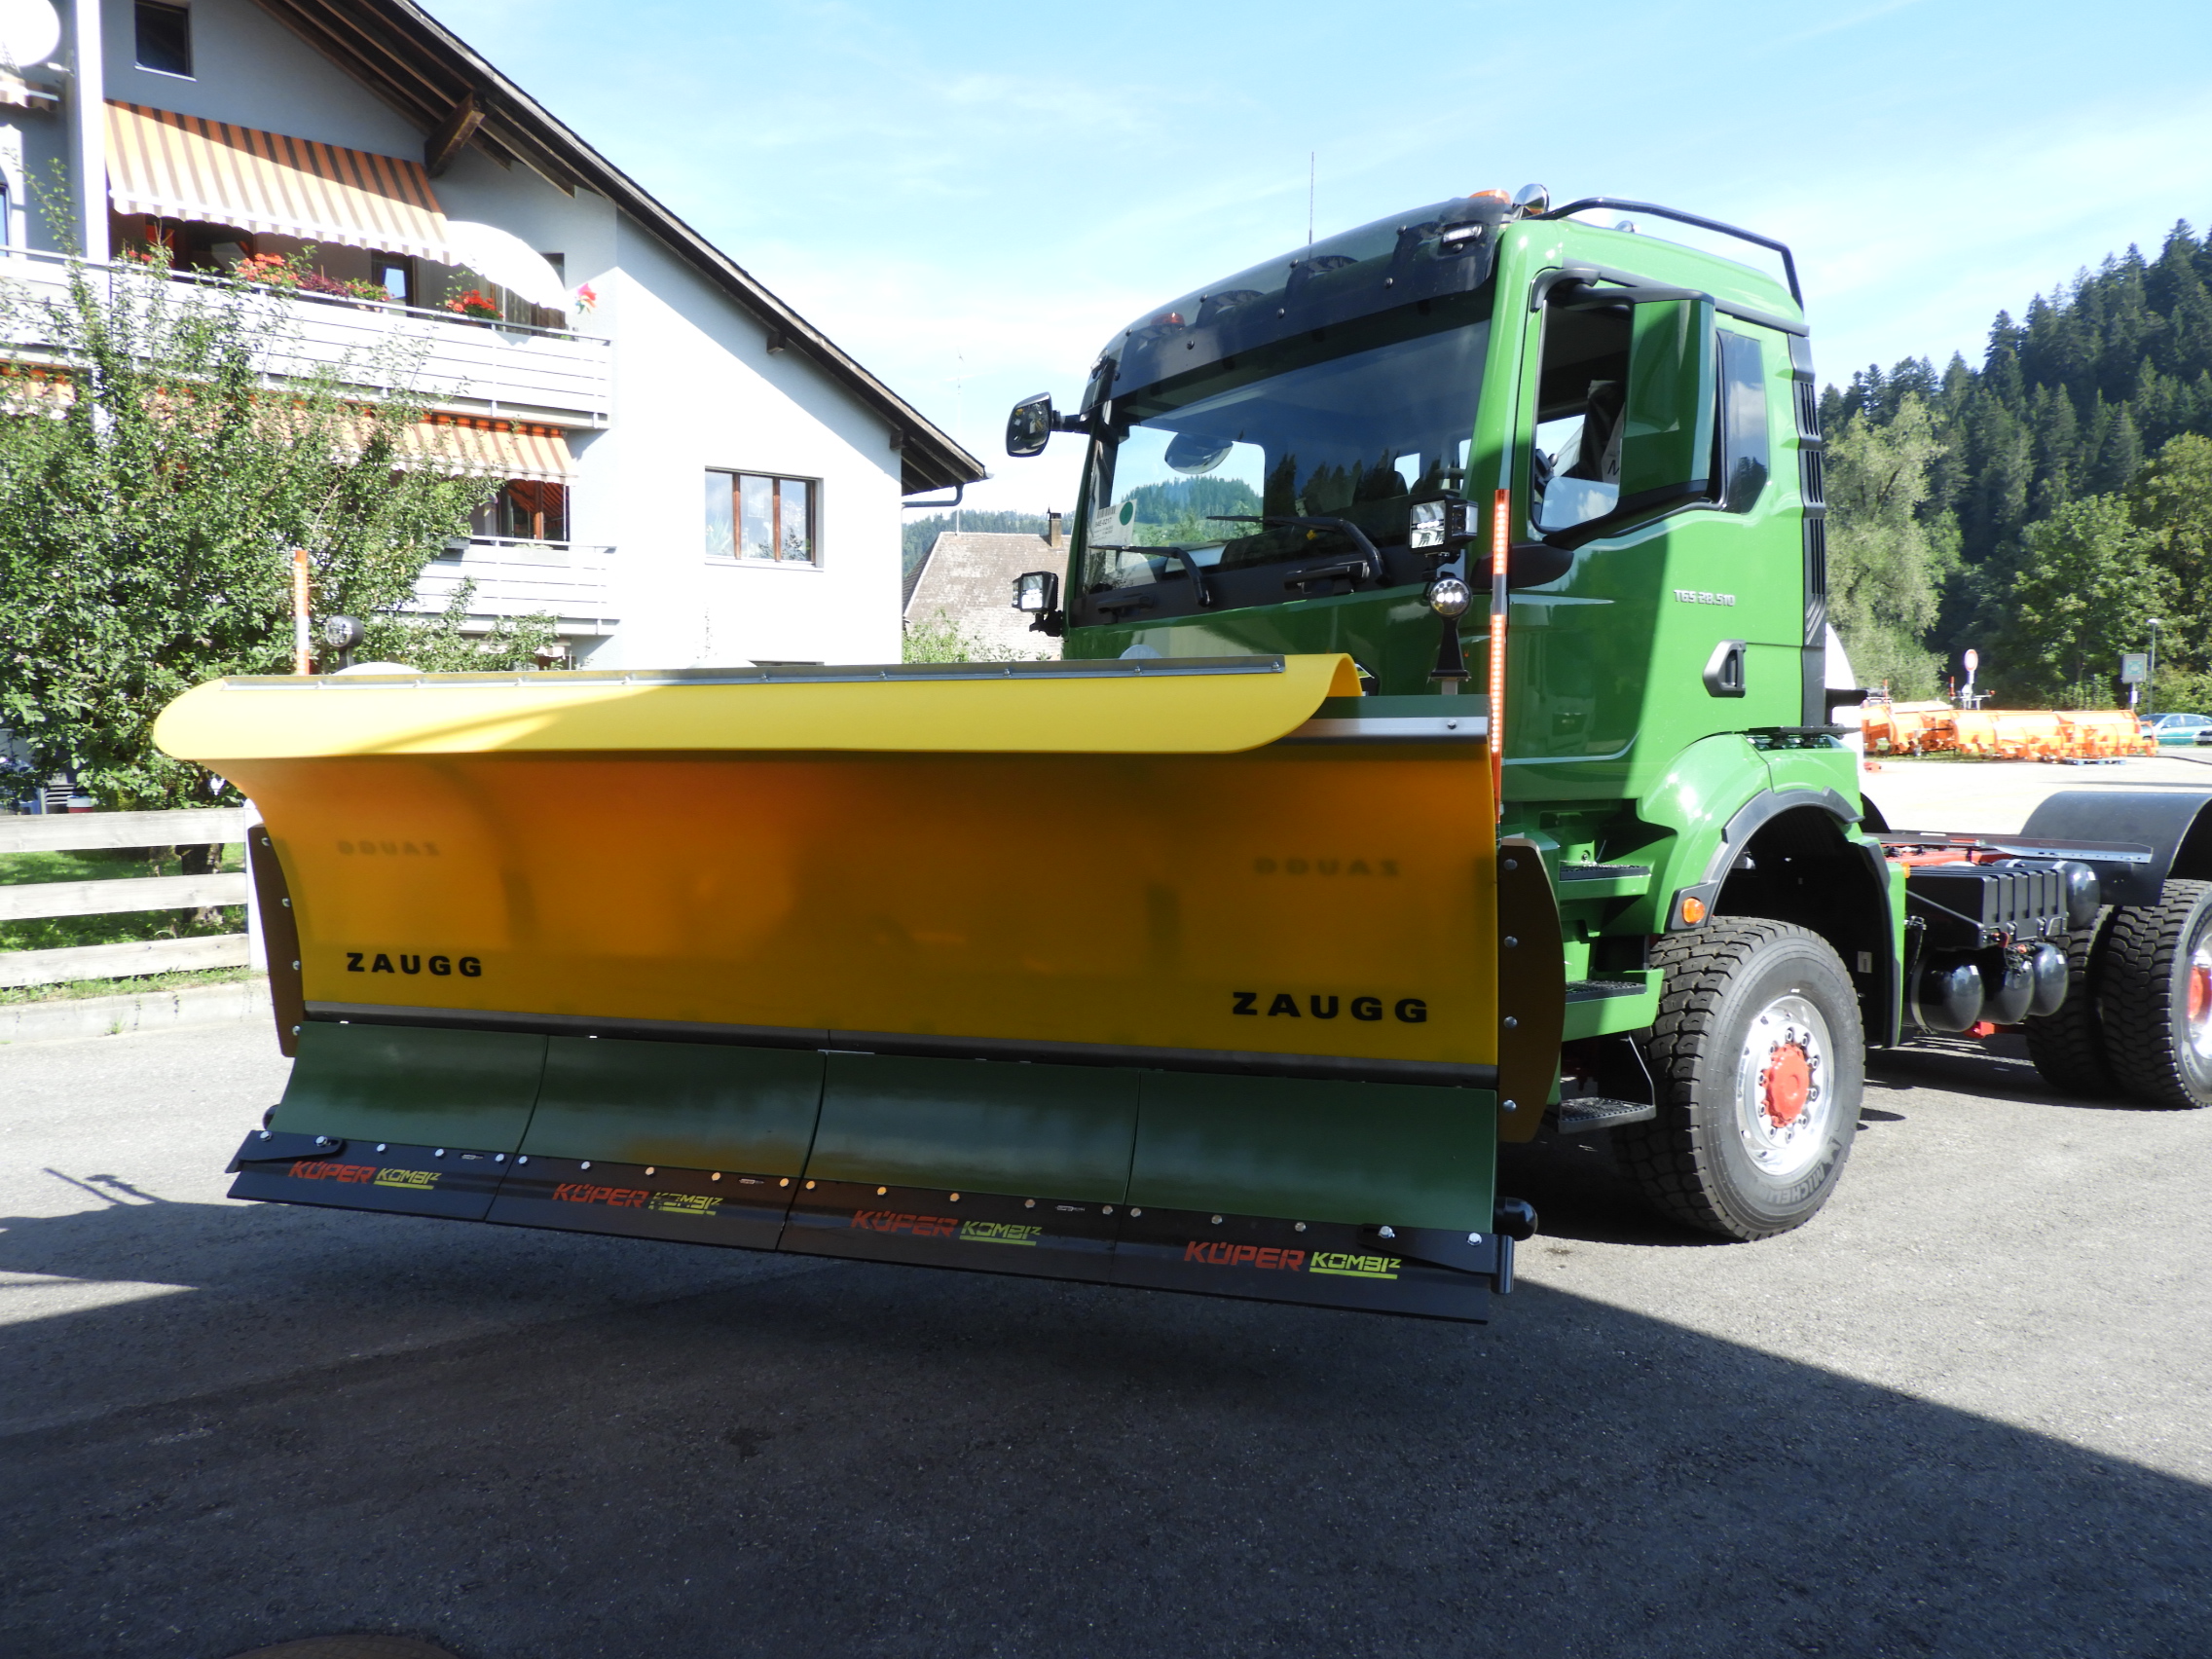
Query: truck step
(1603, 882)
(1594, 991)
(1579, 1117)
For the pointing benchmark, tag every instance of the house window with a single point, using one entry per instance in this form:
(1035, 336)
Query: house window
(165, 38)
(526, 509)
(752, 515)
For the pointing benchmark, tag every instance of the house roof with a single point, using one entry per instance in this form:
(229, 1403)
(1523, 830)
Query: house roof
(968, 578)
(453, 92)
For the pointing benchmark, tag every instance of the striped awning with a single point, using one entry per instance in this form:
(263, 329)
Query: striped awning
(183, 167)
(491, 449)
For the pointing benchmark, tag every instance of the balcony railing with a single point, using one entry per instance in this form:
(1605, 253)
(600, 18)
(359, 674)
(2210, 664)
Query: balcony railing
(572, 580)
(469, 367)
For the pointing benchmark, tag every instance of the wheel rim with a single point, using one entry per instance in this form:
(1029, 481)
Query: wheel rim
(1785, 1077)
(2197, 1000)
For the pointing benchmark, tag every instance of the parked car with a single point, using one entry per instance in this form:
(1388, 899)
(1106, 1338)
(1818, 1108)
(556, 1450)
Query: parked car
(2178, 729)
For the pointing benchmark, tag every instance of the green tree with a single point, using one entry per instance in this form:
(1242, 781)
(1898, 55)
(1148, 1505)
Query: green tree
(2085, 592)
(2170, 500)
(1887, 561)
(941, 639)
(159, 457)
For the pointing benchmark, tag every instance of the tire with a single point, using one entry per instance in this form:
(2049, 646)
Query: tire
(1747, 1143)
(2156, 1005)
(2068, 1047)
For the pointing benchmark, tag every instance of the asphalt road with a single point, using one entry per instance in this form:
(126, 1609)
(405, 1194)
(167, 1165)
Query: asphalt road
(1961, 1414)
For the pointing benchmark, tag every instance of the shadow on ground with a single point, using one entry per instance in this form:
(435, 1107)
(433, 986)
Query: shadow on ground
(873, 1462)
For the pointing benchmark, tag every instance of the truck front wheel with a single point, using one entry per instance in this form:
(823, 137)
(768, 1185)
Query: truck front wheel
(1759, 1060)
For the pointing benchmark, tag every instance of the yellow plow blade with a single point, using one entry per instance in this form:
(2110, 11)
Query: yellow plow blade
(1033, 968)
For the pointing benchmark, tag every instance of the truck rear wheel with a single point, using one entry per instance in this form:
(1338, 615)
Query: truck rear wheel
(2068, 1047)
(1759, 1059)
(2155, 1002)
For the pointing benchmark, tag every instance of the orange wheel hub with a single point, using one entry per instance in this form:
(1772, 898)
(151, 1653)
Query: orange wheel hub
(2199, 993)
(1787, 1080)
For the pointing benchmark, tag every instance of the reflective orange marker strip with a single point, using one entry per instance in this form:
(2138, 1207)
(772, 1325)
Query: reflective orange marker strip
(1500, 543)
(301, 647)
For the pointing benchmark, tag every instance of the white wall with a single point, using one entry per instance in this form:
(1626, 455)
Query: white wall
(250, 69)
(696, 387)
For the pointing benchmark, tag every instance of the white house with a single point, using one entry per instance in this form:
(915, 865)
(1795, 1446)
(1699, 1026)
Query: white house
(696, 475)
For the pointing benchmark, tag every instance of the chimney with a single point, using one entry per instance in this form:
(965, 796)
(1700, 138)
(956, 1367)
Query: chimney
(1051, 528)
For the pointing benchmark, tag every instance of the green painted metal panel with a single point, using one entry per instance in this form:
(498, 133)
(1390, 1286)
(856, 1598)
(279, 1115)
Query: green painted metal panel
(1056, 1132)
(693, 1105)
(412, 1085)
(1308, 1150)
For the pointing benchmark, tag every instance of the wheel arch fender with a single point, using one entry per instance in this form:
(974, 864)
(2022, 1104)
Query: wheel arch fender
(2176, 825)
(1788, 855)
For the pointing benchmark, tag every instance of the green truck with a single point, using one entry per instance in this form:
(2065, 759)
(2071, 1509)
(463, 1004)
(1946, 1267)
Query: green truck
(1440, 756)
(1615, 439)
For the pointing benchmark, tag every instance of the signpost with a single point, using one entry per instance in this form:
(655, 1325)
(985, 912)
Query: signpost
(2134, 669)
(1973, 664)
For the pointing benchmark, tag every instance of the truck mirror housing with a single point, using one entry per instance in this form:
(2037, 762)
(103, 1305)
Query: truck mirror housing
(1667, 434)
(1037, 592)
(1029, 427)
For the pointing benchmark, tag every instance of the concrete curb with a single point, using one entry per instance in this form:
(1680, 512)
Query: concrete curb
(149, 1010)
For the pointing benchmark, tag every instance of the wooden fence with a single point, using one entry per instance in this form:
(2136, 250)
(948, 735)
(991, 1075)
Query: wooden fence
(81, 832)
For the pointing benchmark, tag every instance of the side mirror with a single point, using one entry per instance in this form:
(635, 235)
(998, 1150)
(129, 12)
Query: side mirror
(1037, 592)
(1667, 431)
(1030, 426)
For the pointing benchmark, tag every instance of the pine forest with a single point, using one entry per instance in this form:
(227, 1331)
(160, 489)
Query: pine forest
(2043, 507)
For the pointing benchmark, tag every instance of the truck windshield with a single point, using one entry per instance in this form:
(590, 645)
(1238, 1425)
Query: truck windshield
(1311, 431)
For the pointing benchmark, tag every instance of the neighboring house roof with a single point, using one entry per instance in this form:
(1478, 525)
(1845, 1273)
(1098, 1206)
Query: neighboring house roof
(449, 88)
(969, 580)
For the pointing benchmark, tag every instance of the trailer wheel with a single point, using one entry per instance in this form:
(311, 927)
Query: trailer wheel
(1759, 1059)
(2068, 1047)
(2157, 1001)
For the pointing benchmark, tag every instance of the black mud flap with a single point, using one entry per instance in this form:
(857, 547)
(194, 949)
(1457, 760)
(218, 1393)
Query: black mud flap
(1322, 1264)
(937, 1227)
(645, 1200)
(453, 1182)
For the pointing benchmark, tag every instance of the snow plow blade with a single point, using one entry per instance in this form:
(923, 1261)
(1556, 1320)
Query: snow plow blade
(1176, 972)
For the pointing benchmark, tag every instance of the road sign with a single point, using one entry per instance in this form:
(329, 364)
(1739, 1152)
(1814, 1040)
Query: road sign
(2134, 667)
(1974, 662)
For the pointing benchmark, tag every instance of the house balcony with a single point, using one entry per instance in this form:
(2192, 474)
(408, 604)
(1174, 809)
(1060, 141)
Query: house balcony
(500, 371)
(569, 580)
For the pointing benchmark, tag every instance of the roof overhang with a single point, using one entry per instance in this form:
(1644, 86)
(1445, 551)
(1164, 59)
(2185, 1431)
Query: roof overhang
(448, 88)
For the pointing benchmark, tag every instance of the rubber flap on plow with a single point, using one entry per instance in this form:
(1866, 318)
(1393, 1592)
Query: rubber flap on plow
(1255, 1187)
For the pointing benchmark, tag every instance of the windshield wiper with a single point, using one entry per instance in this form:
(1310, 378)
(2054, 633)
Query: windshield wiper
(1273, 521)
(1198, 588)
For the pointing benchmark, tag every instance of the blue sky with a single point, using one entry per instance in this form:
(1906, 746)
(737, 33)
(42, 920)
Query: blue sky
(970, 197)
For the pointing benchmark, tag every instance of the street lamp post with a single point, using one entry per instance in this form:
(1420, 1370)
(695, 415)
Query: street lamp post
(2151, 692)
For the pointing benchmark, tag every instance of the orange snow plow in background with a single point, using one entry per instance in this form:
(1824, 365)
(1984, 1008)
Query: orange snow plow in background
(2002, 734)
